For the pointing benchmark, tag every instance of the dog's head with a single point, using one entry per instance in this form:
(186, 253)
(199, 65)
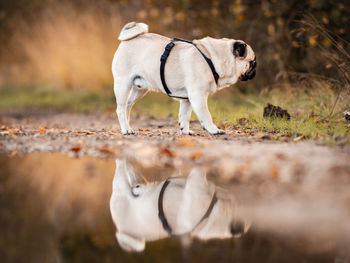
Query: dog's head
(227, 220)
(245, 60)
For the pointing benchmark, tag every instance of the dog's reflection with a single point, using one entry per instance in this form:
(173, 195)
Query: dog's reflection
(179, 206)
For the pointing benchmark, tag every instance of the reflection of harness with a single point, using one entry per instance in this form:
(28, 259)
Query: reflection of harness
(163, 219)
(165, 55)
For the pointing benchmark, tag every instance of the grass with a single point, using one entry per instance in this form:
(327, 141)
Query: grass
(45, 97)
(310, 109)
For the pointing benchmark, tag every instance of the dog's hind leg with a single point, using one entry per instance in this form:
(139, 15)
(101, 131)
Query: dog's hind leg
(135, 94)
(185, 116)
(121, 182)
(122, 91)
(200, 107)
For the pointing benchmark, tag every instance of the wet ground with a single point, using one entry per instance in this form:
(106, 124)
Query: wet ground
(55, 208)
(242, 197)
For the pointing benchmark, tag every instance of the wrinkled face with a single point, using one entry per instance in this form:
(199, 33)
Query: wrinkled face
(245, 60)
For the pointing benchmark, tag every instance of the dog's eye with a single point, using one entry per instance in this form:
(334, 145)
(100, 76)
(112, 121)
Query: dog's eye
(240, 49)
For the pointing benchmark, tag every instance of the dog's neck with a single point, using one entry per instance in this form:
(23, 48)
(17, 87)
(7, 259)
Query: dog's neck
(219, 51)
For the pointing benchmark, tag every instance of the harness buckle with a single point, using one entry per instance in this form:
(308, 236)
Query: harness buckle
(169, 46)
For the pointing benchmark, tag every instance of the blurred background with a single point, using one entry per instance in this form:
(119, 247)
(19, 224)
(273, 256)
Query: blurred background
(70, 44)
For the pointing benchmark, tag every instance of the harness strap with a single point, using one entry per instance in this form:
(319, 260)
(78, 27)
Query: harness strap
(163, 219)
(208, 60)
(161, 214)
(163, 59)
(165, 56)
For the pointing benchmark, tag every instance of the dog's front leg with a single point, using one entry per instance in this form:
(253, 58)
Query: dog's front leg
(185, 116)
(199, 103)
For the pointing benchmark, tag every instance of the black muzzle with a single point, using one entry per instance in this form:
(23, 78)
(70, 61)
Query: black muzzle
(250, 74)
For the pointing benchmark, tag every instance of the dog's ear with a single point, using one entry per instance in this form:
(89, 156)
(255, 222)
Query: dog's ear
(240, 49)
(130, 243)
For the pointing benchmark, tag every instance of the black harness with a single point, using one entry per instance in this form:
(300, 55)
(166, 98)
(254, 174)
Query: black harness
(165, 56)
(163, 219)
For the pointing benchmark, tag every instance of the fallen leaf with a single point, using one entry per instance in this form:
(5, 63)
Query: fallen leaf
(223, 125)
(274, 172)
(42, 130)
(185, 142)
(196, 155)
(106, 150)
(142, 131)
(167, 151)
(76, 148)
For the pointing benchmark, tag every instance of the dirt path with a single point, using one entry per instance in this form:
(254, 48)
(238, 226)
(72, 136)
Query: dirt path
(158, 141)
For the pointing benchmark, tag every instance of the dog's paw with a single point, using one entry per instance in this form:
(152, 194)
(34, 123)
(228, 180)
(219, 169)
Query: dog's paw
(186, 132)
(128, 132)
(218, 132)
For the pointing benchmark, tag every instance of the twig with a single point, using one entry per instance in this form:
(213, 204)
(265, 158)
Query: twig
(336, 101)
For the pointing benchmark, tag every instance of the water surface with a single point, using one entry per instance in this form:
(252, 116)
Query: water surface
(59, 209)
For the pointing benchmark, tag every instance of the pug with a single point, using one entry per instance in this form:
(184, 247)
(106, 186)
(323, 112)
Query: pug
(188, 206)
(192, 72)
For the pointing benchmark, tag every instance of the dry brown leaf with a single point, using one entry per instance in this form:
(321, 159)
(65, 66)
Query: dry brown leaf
(167, 151)
(76, 148)
(106, 150)
(185, 142)
(196, 155)
(274, 170)
(223, 125)
(142, 131)
(42, 130)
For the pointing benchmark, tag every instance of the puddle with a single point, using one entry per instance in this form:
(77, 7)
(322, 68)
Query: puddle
(60, 209)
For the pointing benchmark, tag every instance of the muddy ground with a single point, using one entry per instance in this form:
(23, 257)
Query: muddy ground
(158, 141)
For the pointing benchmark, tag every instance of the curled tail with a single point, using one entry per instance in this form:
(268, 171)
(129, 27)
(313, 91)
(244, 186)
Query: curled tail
(131, 30)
